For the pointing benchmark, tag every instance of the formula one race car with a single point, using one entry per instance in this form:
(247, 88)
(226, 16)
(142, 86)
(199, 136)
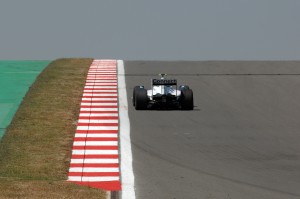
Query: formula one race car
(163, 94)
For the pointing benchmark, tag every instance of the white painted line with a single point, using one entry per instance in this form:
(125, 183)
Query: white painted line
(102, 73)
(109, 74)
(101, 69)
(92, 179)
(125, 142)
(95, 143)
(98, 121)
(96, 135)
(100, 81)
(98, 95)
(95, 160)
(107, 78)
(98, 104)
(101, 84)
(96, 91)
(110, 70)
(99, 109)
(104, 61)
(110, 67)
(99, 99)
(115, 87)
(104, 67)
(95, 82)
(101, 66)
(97, 128)
(92, 169)
(95, 152)
(97, 114)
(99, 90)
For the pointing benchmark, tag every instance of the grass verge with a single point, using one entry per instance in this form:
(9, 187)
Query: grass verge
(36, 149)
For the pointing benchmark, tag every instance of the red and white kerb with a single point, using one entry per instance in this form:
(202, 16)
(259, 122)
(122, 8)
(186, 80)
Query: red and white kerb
(95, 154)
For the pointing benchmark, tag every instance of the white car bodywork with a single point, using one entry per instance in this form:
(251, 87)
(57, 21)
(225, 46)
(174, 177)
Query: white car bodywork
(163, 90)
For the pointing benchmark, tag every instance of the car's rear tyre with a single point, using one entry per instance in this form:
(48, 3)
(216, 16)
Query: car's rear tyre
(141, 99)
(134, 91)
(187, 99)
(184, 87)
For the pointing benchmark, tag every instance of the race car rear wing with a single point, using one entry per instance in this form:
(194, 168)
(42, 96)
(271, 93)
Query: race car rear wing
(169, 82)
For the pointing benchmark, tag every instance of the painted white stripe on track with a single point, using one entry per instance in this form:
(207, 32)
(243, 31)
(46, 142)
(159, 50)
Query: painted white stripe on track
(97, 128)
(96, 71)
(96, 135)
(125, 142)
(98, 109)
(99, 90)
(102, 69)
(102, 72)
(95, 152)
(99, 99)
(104, 78)
(100, 84)
(97, 121)
(101, 81)
(100, 76)
(93, 179)
(95, 143)
(101, 66)
(99, 104)
(97, 114)
(115, 87)
(92, 169)
(95, 160)
(104, 95)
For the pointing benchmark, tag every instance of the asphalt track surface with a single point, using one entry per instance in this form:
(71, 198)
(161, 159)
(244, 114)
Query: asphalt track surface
(241, 141)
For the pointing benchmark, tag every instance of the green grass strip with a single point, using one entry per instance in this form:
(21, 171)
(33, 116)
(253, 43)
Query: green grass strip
(35, 151)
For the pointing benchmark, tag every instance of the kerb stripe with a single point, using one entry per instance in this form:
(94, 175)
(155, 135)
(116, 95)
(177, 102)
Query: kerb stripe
(95, 152)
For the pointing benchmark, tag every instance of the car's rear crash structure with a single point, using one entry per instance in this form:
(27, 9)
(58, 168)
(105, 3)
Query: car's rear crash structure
(164, 94)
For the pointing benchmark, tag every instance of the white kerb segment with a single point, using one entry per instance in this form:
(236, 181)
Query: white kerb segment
(96, 135)
(94, 152)
(98, 121)
(93, 179)
(98, 114)
(91, 169)
(95, 161)
(99, 99)
(97, 128)
(95, 143)
(99, 109)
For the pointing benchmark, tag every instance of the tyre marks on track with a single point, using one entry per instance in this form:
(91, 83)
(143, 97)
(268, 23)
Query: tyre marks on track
(95, 154)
